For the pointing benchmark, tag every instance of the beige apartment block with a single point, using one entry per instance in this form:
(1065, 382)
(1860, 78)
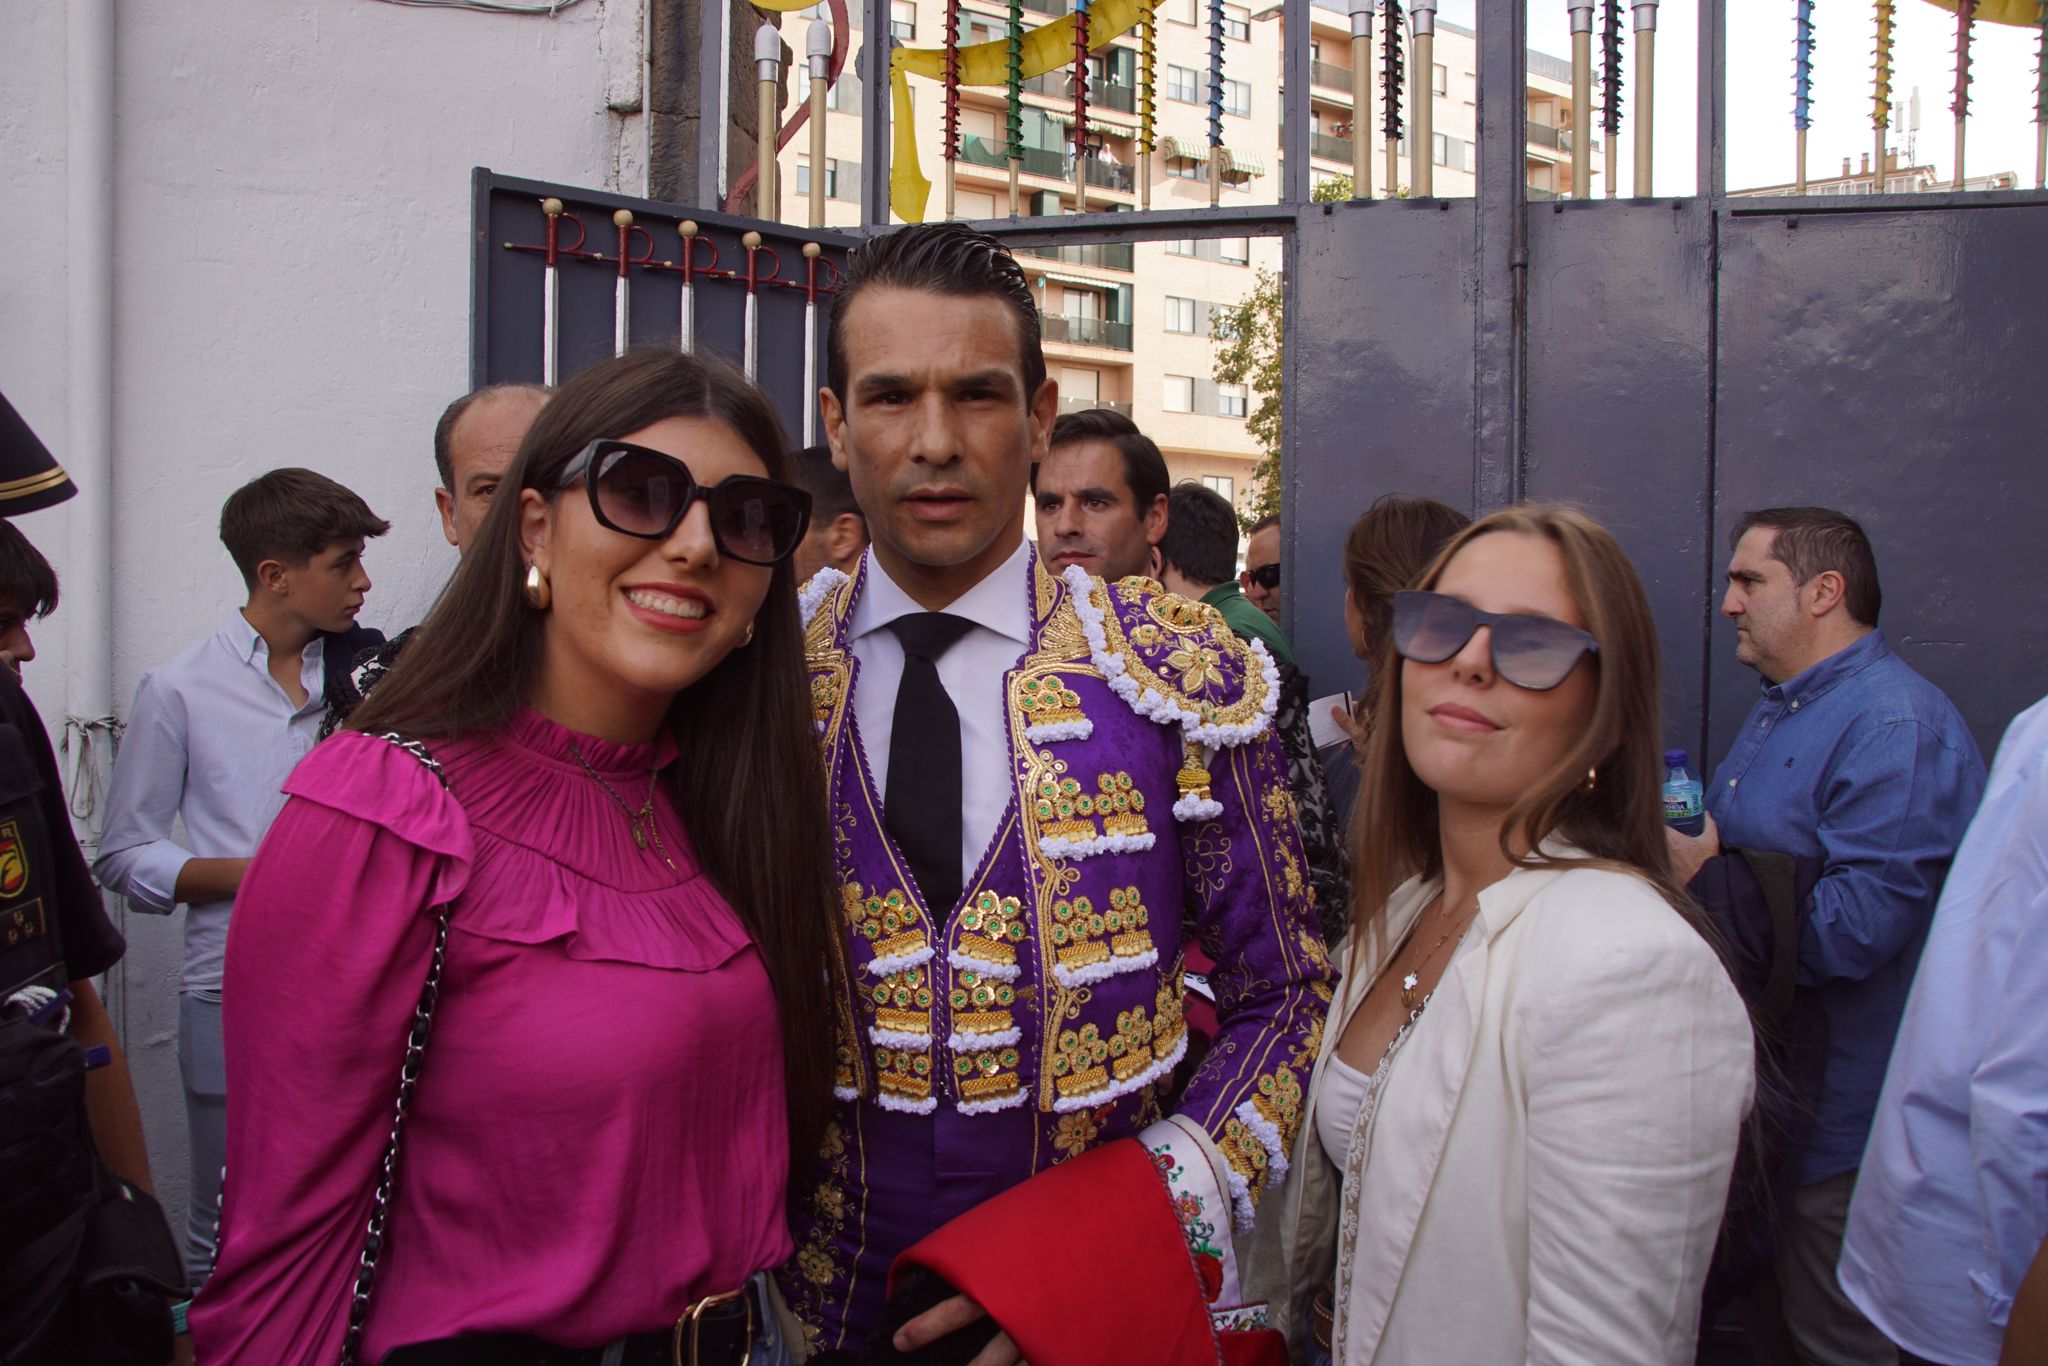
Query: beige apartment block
(1128, 327)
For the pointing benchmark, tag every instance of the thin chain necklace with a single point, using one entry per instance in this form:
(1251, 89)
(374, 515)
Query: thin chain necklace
(642, 821)
(1412, 979)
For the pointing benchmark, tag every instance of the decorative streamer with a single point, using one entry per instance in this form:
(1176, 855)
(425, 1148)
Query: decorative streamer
(1148, 70)
(1610, 67)
(1802, 66)
(952, 115)
(1391, 74)
(1966, 14)
(2041, 71)
(1013, 80)
(1215, 101)
(1881, 85)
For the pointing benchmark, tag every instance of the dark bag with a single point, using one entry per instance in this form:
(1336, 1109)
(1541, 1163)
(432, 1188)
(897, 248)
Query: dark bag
(1758, 904)
(88, 1267)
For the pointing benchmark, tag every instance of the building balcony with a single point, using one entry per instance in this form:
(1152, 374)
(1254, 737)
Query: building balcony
(1082, 405)
(1052, 8)
(1329, 148)
(1053, 165)
(1536, 192)
(1102, 255)
(1330, 75)
(1058, 327)
(1550, 136)
(1103, 94)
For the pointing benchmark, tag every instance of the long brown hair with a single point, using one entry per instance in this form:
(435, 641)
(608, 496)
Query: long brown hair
(1619, 823)
(1388, 548)
(749, 762)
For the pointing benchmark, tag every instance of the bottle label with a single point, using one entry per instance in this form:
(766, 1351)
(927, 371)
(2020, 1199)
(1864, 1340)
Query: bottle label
(1682, 801)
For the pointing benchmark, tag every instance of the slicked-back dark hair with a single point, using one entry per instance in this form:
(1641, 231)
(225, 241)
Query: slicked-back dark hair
(743, 731)
(1813, 539)
(1145, 472)
(292, 515)
(1201, 534)
(1269, 520)
(831, 491)
(940, 258)
(444, 430)
(26, 580)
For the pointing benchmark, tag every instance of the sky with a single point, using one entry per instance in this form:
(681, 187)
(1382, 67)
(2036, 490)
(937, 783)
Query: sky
(1759, 133)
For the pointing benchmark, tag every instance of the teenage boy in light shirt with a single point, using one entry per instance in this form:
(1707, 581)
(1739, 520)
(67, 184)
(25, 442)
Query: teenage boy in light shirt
(211, 738)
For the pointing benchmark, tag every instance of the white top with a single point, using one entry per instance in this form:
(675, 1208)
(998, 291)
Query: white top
(1345, 1092)
(211, 738)
(1948, 1210)
(972, 672)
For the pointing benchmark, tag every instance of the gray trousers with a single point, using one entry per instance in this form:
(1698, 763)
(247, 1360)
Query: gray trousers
(1813, 1323)
(204, 1070)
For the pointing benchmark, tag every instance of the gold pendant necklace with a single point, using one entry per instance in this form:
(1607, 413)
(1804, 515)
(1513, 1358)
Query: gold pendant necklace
(1411, 980)
(640, 822)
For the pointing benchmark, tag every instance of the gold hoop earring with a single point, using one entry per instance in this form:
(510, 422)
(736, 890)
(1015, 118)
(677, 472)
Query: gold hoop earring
(538, 594)
(748, 638)
(1592, 781)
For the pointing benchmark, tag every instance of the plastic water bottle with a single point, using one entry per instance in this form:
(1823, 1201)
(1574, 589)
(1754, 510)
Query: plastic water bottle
(1685, 808)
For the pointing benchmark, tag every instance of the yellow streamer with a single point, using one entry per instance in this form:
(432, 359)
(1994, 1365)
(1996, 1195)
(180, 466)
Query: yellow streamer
(2024, 13)
(1049, 47)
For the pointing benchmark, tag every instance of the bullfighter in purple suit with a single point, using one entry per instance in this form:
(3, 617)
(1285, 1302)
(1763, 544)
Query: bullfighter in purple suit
(1042, 788)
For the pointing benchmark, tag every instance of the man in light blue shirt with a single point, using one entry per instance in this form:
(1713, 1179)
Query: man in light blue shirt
(211, 738)
(1852, 759)
(1953, 1200)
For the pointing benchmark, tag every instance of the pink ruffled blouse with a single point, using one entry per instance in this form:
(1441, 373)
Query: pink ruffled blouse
(598, 1139)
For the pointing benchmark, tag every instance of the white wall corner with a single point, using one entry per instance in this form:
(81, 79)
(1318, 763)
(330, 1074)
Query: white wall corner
(622, 45)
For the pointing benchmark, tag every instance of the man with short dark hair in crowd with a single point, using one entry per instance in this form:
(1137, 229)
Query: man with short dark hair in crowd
(1196, 556)
(475, 441)
(1261, 576)
(1100, 495)
(838, 534)
(1852, 759)
(211, 737)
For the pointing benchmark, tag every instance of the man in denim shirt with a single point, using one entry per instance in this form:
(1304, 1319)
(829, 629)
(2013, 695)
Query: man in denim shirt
(1851, 758)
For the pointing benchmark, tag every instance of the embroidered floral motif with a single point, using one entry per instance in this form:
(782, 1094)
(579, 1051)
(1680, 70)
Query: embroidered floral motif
(1090, 946)
(828, 1204)
(893, 927)
(1195, 1224)
(1077, 1131)
(1197, 666)
(990, 931)
(826, 689)
(1052, 711)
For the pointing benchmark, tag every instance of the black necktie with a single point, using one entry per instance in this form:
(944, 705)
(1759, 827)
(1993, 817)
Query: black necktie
(922, 809)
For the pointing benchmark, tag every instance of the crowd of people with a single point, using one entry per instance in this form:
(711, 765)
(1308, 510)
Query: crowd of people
(830, 924)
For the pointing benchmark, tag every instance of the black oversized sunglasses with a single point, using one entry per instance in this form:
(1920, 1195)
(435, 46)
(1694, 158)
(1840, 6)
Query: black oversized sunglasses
(1532, 652)
(640, 492)
(1266, 575)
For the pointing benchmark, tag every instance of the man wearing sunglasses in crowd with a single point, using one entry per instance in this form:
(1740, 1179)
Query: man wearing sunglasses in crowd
(1037, 781)
(474, 442)
(1261, 576)
(1853, 760)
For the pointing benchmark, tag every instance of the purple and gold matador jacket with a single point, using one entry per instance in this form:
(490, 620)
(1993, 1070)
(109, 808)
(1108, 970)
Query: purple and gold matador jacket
(980, 1044)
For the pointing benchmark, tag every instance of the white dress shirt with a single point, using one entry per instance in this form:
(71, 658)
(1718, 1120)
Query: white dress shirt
(972, 672)
(1948, 1211)
(211, 737)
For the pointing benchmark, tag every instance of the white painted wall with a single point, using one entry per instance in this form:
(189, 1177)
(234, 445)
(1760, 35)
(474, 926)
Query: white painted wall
(291, 285)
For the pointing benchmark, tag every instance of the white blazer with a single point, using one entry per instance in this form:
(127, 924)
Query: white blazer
(1545, 1175)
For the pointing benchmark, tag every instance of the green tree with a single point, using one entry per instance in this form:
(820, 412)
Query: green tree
(1248, 336)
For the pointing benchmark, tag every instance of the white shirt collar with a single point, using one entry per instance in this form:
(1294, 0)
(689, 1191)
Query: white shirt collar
(998, 603)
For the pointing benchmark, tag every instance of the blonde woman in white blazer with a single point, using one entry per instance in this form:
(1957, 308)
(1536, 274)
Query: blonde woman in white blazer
(1522, 1123)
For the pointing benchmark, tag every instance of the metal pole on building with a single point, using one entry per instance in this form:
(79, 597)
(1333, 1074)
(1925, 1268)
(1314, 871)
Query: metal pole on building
(818, 48)
(811, 250)
(1080, 81)
(1361, 99)
(1390, 97)
(1582, 97)
(1802, 89)
(1422, 146)
(1610, 90)
(768, 67)
(1646, 99)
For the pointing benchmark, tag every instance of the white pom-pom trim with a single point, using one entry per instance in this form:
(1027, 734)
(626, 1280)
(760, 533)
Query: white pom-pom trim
(1193, 808)
(1057, 846)
(983, 1107)
(1150, 704)
(1111, 1092)
(962, 1042)
(897, 962)
(814, 593)
(899, 1038)
(906, 1107)
(967, 962)
(1047, 732)
(1101, 972)
(1241, 1206)
(1268, 1134)
(845, 1093)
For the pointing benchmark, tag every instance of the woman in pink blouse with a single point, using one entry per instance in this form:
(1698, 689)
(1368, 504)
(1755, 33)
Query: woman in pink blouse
(580, 760)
